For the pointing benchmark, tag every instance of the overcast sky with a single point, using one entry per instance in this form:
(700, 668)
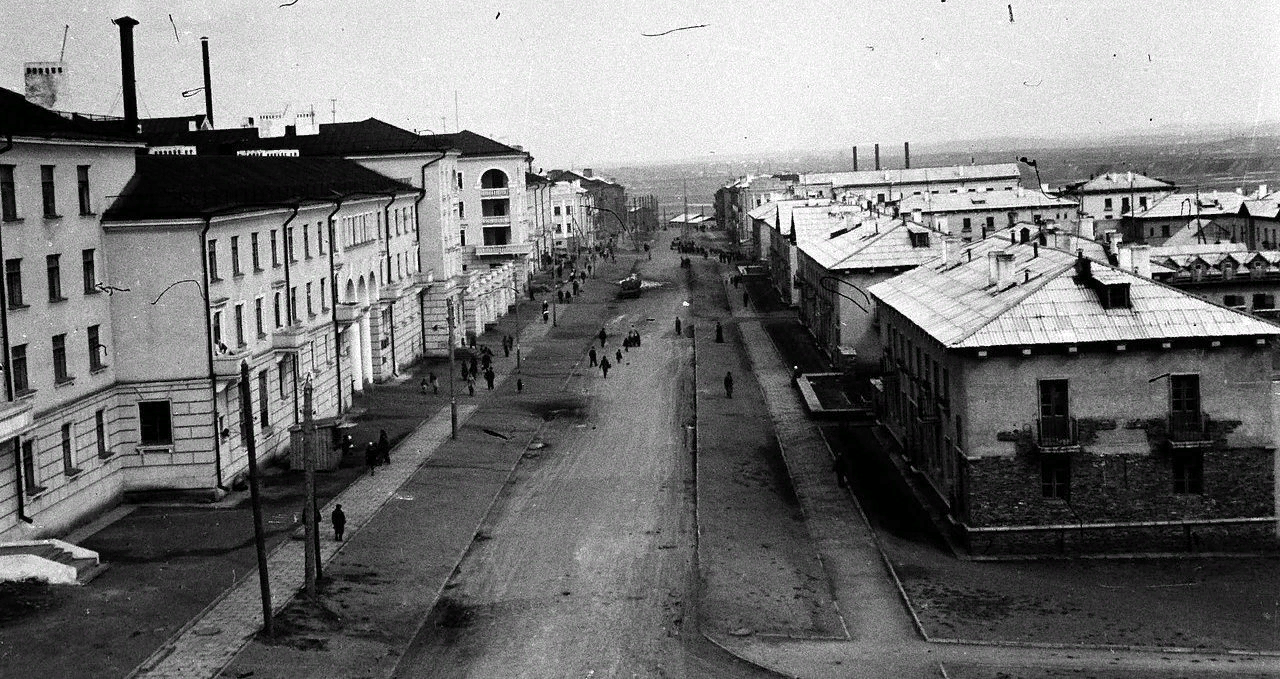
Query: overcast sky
(578, 84)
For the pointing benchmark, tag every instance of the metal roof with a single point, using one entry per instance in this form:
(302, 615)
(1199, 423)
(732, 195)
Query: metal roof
(1045, 304)
(981, 201)
(863, 240)
(1191, 205)
(1122, 182)
(915, 175)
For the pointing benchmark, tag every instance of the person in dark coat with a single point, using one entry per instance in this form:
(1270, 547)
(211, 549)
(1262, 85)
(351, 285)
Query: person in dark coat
(728, 384)
(471, 385)
(339, 519)
(434, 382)
(746, 299)
(488, 377)
(485, 361)
(371, 456)
(592, 355)
(474, 365)
(618, 356)
(677, 325)
(384, 446)
(605, 365)
(602, 335)
(719, 333)
(519, 386)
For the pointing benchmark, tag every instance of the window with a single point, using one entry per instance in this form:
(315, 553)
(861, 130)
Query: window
(29, 468)
(1124, 204)
(306, 242)
(1106, 204)
(13, 282)
(311, 311)
(47, 191)
(263, 418)
(235, 256)
(257, 317)
(967, 224)
(60, 358)
(154, 425)
(100, 429)
(68, 457)
(95, 349)
(54, 268)
(1142, 202)
(288, 244)
(568, 209)
(240, 325)
(253, 251)
(462, 210)
(462, 237)
(275, 250)
(217, 329)
(324, 300)
(82, 189)
(459, 180)
(89, 270)
(991, 223)
(1164, 230)
(1263, 300)
(276, 305)
(556, 210)
(280, 376)
(319, 238)
(1184, 402)
(8, 194)
(18, 364)
(1055, 478)
(213, 260)
(1188, 472)
(1233, 300)
(292, 306)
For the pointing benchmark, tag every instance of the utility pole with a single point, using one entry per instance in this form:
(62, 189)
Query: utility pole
(453, 396)
(260, 543)
(309, 519)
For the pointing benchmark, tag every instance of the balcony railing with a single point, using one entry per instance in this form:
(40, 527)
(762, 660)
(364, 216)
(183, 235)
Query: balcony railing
(495, 193)
(1188, 430)
(495, 219)
(390, 292)
(1057, 434)
(289, 339)
(504, 249)
(347, 312)
(227, 366)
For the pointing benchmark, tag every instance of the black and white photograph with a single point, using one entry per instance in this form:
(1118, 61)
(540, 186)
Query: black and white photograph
(644, 340)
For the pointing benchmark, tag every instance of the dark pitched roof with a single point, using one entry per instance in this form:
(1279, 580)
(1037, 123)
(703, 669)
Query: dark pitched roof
(531, 178)
(472, 144)
(19, 117)
(193, 186)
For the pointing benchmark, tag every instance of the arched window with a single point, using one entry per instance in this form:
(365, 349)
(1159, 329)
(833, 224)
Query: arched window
(493, 179)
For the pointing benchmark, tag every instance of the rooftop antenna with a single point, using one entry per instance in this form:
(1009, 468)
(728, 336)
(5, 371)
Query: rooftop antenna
(333, 110)
(457, 126)
(65, 28)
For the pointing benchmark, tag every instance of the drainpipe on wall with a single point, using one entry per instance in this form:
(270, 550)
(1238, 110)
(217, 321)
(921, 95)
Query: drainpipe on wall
(391, 307)
(417, 230)
(333, 301)
(291, 313)
(208, 341)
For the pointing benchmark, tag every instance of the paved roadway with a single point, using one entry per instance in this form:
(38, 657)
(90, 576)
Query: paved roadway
(587, 562)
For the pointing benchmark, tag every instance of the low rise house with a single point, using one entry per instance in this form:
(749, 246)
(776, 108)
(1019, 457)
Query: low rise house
(1209, 216)
(889, 186)
(1053, 403)
(1226, 273)
(1110, 195)
(971, 216)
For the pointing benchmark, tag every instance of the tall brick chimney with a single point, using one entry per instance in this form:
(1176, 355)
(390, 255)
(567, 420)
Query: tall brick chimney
(128, 81)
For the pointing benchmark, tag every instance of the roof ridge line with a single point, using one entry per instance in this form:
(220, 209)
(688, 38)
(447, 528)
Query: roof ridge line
(1029, 290)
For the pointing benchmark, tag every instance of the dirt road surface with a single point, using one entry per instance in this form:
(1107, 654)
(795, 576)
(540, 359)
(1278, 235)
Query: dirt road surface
(586, 564)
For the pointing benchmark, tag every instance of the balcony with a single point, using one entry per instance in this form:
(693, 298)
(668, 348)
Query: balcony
(15, 418)
(495, 193)
(422, 279)
(226, 366)
(495, 220)
(1057, 434)
(1189, 430)
(289, 340)
(390, 292)
(347, 312)
(507, 249)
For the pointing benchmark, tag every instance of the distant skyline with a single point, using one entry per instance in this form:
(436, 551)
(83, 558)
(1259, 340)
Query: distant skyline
(577, 84)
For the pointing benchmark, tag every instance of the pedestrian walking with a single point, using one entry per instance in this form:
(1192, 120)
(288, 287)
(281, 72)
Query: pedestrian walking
(426, 384)
(485, 361)
(719, 333)
(605, 365)
(746, 299)
(488, 377)
(435, 383)
(339, 520)
(471, 385)
(728, 384)
(519, 386)
(506, 346)
(384, 446)
(592, 355)
(546, 316)
(602, 335)
(371, 456)
(677, 325)
(474, 362)
(618, 356)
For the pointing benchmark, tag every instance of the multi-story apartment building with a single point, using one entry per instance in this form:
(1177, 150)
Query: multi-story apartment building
(304, 269)
(888, 186)
(972, 215)
(63, 430)
(1054, 403)
(538, 206)
(773, 226)
(573, 221)
(1108, 196)
(608, 198)
(1209, 217)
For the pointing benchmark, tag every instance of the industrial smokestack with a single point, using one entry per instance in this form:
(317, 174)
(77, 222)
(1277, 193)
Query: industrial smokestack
(208, 84)
(127, 77)
(906, 154)
(855, 158)
(877, 156)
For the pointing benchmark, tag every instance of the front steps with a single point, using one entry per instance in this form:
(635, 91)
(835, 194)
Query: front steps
(52, 561)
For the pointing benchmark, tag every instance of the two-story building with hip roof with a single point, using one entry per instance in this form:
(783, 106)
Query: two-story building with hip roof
(1057, 404)
(841, 252)
(1207, 216)
(1110, 195)
(971, 216)
(63, 426)
(295, 267)
(890, 186)
(773, 228)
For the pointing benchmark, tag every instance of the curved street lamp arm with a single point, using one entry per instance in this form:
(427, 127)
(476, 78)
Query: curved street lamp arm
(822, 282)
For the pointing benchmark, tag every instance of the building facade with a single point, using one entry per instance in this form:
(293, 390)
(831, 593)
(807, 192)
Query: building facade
(970, 216)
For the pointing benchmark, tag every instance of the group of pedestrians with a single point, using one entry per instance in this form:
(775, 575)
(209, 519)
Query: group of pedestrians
(378, 452)
(632, 339)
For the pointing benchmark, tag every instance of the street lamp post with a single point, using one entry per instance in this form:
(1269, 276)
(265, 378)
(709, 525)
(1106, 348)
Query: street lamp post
(453, 395)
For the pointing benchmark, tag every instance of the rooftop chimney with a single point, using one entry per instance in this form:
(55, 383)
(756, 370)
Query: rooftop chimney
(44, 81)
(1135, 258)
(127, 78)
(999, 269)
(855, 158)
(208, 83)
(877, 156)
(1262, 190)
(906, 154)
(586, 172)
(950, 251)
